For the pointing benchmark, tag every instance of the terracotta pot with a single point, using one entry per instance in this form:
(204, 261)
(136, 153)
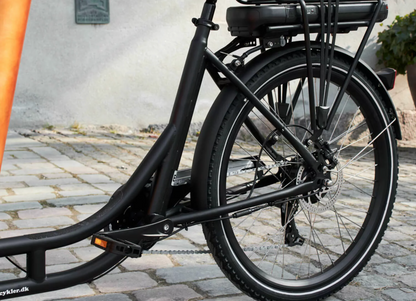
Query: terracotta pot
(411, 80)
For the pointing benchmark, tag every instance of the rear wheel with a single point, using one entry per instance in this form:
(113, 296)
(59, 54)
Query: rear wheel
(311, 247)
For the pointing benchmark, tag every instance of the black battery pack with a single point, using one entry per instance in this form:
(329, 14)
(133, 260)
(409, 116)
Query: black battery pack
(269, 20)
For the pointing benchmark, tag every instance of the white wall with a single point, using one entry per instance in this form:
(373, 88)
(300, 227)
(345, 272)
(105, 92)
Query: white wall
(125, 72)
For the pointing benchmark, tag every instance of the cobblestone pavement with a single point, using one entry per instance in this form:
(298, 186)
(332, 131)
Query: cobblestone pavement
(54, 178)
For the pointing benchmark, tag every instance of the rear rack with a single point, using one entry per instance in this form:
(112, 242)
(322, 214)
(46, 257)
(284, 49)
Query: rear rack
(274, 26)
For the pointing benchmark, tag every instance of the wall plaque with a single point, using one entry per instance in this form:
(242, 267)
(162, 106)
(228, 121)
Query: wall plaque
(92, 11)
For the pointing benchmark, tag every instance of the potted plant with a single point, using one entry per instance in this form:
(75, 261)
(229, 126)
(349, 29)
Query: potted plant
(398, 48)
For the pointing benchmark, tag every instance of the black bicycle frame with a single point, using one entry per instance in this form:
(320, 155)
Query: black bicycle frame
(161, 162)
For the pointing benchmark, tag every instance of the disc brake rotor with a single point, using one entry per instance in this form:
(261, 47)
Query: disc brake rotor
(326, 198)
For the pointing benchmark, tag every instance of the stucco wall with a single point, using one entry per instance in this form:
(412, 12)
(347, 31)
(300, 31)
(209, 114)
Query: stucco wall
(125, 72)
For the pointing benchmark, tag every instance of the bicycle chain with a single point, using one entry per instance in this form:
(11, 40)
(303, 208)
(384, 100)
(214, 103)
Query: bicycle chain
(193, 252)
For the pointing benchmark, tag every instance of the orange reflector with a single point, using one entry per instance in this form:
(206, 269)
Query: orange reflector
(100, 242)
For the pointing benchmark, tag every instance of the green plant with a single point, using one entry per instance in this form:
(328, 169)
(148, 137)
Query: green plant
(398, 43)
(75, 126)
(48, 126)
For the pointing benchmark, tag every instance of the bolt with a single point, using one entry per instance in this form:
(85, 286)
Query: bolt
(282, 41)
(166, 227)
(324, 169)
(270, 44)
(328, 183)
(237, 63)
(275, 138)
(309, 142)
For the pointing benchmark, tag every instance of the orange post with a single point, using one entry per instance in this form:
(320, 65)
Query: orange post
(13, 21)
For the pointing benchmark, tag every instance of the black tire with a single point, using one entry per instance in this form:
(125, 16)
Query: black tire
(341, 227)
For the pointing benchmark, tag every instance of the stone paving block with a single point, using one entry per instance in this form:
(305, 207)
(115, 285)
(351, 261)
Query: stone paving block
(22, 154)
(80, 200)
(33, 190)
(353, 293)
(88, 208)
(5, 264)
(19, 142)
(81, 192)
(95, 178)
(395, 236)
(408, 279)
(185, 274)
(61, 267)
(174, 292)
(401, 294)
(72, 187)
(407, 229)
(47, 152)
(53, 257)
(8, 166)
(29, 197)
(193, 260)
(3, 192)
(68, 164)
(124, 282)
(390, 269)
(11, 184)
(36, 168)
(195, 234)
(147, 262)
(238, 298)
(7, 276)
(13, 233)
(408, 261)
(24, 161)
(59, 256)
(108, 297)
(4, 216)
(373, 281)
(108, 187)
(18, 179)
(377, 259)
(19, 206)
(390, 250)
(88, 253)
(4, 174)
(3, 226)
(56, 175)
(45, 212)
(44, 222)
(52, 182)
(217, 287)
(174, 244)
(72, 292)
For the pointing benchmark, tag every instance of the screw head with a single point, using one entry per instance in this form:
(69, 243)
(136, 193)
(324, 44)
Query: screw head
(237, 63)
(324, 169)
(309, 142)
(270, 44)
(166, 227)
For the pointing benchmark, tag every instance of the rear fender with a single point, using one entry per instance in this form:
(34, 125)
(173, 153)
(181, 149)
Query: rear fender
(212, 123)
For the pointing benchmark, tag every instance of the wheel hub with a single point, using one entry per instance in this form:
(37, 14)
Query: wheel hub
(326, 197)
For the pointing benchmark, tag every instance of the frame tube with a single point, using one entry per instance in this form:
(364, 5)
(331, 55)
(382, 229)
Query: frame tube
(182, 111)
(217, 212)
